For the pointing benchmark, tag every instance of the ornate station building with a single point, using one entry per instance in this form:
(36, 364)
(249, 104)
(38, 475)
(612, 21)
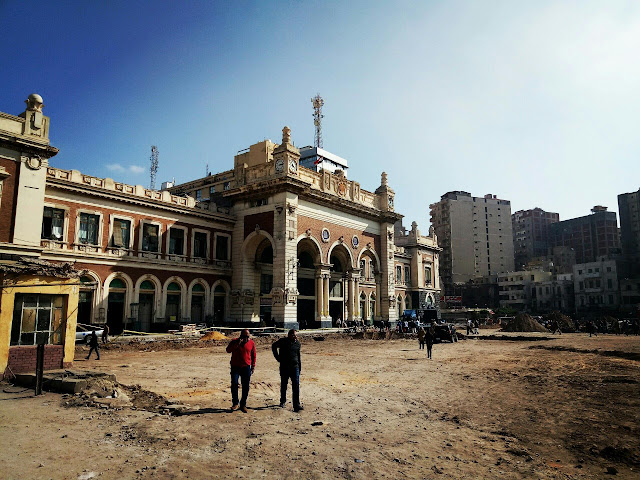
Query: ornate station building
(270, 240)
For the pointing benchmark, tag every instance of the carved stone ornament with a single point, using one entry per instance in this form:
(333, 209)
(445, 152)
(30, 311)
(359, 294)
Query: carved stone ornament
(34, 163)
(291, 295)
(257, 228)
(308, 232)
(34, 103)
(390, 235)
(342, 189)
(286, 135)
(341, 239)
(368, 245)
(277, 295)
(291, 207)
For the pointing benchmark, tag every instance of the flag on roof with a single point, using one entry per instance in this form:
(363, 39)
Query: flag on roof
(318, 160)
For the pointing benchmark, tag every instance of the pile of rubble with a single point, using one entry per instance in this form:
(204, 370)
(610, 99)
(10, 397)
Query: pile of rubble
(564, 323)
(523, 323)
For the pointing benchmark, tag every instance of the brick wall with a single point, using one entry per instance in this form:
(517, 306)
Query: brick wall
(137, 217)
(337, 231)
(265, 220)
(8, 202)
(23, 359)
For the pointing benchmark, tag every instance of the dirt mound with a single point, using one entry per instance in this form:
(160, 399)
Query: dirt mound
(213, 336)
(565, 324)
(523, 323)
(107, 393)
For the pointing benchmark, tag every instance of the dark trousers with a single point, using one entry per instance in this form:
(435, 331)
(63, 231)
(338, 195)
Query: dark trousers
(244, 374)
(292, 373)
(92, 349)
(429, 345)
(421, 345)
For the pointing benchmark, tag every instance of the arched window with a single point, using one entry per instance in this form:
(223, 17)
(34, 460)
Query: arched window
(372, 306)
(363, 305)
(197, 303)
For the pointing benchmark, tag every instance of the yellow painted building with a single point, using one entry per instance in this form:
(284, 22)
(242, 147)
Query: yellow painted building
(36, 309)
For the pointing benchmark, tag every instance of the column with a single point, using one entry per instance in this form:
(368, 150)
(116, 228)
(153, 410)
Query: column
(350, 296)
(319, 297)
(356, 292)
(325, 304)
(378, 295)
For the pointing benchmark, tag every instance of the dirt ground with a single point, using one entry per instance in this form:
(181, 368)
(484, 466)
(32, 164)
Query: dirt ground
(567, 407)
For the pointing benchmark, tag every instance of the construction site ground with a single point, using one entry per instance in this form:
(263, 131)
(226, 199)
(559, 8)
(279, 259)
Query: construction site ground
(526, 406)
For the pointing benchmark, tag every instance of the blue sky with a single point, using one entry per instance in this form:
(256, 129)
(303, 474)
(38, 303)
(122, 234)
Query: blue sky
(536, 102)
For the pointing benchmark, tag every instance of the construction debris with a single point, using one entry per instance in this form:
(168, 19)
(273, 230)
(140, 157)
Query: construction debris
(31, 266)
(214, 336)
(564, 323)
(523, 323)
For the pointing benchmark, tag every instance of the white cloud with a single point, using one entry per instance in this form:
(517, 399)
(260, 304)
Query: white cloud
(115, 167)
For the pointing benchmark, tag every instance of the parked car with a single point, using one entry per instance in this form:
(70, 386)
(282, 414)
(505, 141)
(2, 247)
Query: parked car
(445, 331)
(83, 332)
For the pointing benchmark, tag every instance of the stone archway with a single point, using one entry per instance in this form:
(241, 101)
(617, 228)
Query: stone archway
(309, 284)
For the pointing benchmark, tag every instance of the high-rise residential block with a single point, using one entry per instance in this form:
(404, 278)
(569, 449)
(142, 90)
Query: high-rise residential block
(629, 208)
(531, 234)
(591, 237)
(475, 235)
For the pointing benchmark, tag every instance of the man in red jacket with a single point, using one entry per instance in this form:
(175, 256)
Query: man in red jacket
(243, 363)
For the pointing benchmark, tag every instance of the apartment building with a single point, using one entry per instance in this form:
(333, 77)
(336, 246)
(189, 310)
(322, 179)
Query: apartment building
(629, 208)
(531, 234)
(591, 236)
(518, 290)
(596, 285)
(475, 235)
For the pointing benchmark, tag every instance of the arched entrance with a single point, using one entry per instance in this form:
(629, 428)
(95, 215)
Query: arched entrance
(174, 301)
(219, 304)
(116, 305)
(340, 261)
(146, 304)
(197, 303)
(308, 260)
(264, 271)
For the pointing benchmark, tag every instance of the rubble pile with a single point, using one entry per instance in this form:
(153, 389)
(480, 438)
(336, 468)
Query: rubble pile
(523, 323)
(565, 324)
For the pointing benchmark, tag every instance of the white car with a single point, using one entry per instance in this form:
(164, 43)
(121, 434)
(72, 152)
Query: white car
(83, 332)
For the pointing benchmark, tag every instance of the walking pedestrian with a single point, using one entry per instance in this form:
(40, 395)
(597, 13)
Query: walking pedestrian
(421, 334)
(243, 364)
(93, 343)
(287, 352)
(429, 337)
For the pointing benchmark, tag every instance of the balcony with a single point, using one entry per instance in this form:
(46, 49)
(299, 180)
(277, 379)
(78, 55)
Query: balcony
(86, 248)
(119, 252)
(53, 244)
(172, 257)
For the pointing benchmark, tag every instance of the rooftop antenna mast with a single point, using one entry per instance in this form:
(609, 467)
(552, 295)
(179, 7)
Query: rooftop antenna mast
(154, 166)
(317, 103)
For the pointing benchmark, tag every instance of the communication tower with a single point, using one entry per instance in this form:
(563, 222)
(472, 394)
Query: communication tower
(317, 103)
(154, 166)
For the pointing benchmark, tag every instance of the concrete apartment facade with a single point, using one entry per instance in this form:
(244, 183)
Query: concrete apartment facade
(629, 209)
(591, 236)
(517, 290)
(475, 235)
(596, 285)
(531, 234)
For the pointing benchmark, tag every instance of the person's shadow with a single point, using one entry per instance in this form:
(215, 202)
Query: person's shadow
(204, 411)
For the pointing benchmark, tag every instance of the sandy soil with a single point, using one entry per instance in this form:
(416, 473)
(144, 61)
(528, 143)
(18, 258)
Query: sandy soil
(561, 408)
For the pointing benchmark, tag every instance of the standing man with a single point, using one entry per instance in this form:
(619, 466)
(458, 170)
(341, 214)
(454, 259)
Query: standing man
(287, 352)
(93, 343)
(105, 333)
(243, 363)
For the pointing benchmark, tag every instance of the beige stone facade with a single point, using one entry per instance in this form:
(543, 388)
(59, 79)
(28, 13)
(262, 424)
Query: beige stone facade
(265, 241)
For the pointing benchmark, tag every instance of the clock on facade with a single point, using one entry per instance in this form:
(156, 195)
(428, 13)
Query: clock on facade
(390, 201)
(293, 166)
(325, 235)
(279, 165)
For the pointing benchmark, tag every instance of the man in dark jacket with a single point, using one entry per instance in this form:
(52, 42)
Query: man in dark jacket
(243, 363)
(93, 343)
(287, 352)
